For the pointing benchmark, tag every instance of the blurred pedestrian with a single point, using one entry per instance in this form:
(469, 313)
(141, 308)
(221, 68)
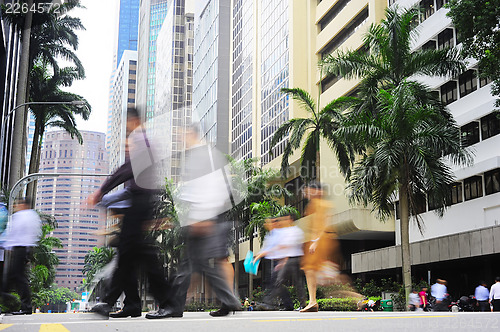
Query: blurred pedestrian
(286, 248)
(440, 293)
(321, 244)
(21, 235)
(414, 300)
(135, 248)
(482, 295)
(246, 304)
(424, 302)
(495, 295)
(204, 197)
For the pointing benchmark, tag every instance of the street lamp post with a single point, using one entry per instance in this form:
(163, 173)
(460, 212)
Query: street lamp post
(79, 103)
(18, 186)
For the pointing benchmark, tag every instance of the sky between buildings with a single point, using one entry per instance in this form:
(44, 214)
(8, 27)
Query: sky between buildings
(96, 53)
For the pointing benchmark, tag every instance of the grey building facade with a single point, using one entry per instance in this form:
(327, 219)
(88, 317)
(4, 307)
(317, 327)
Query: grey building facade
(211, 78)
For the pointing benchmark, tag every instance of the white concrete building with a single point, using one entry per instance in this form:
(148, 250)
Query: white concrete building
(122, 97)
(464, 245)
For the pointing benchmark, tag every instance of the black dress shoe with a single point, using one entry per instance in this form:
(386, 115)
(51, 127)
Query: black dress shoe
(223, 311)
(22, 312)
(163, 313)
(125, 312)
(102, 309)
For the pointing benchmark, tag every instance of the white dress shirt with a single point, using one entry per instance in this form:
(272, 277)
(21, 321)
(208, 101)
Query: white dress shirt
(24, 230)
(495, 291)
(438, 291)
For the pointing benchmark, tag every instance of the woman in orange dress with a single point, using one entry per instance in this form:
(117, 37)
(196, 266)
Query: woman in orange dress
(320, 242)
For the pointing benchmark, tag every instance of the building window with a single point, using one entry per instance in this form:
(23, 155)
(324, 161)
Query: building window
(492, 181)
(484, 81)
(469, 133)
(455, 195)
(328, 82)
(345, 33)
(297, 199)
(467, 82)
(427, 8)
(445, 38)
(490, 125)
(430, 45)
(336, 9)
(440, 3)
(449, 92)
(473, 187)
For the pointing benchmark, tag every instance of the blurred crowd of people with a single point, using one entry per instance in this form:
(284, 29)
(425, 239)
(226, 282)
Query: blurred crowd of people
(204, 196)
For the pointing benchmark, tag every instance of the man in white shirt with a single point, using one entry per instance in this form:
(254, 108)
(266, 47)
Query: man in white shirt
(482, 296)
(495, 295)
(286, 247)
(23, 233)
(439, 291)
(414, 300)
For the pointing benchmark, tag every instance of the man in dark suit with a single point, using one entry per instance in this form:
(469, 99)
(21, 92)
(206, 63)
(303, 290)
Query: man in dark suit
(135, 248)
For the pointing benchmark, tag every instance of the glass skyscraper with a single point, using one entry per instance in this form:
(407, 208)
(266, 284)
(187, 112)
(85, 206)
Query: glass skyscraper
(128, 28)
(157, 16)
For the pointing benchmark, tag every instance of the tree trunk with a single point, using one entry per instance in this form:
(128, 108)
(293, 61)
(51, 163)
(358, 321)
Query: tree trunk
(34, 161)
(318, 176)
(16, 169)
(236, 260)
(405, 241)
(250, 276)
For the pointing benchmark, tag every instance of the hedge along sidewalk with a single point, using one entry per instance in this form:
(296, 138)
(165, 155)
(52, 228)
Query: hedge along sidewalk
(338, 304)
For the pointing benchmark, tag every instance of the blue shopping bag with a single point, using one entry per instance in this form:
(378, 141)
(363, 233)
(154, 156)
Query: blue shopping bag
(250, 266)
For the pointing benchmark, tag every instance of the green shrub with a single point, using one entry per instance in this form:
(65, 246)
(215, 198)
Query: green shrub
(338, 304)
(200, 306)
(258, 294)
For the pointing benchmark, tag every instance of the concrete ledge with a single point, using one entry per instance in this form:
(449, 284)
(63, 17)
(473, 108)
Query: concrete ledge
(463, 245)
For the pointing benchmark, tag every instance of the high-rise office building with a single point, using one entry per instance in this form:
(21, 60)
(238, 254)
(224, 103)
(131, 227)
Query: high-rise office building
(151, 16)
(122, 97)
(469, 232)
(63, 197)
(9, 70)
(128, 29)
(211, 77)
(277, 44)
(174, 81)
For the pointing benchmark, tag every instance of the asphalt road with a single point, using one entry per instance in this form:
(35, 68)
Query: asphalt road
(271, 321)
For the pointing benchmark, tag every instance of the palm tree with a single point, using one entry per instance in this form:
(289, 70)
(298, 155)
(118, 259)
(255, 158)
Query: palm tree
(402, 127)
(52, 34)
(95, 260)
(265, 210)
(171, 239)
(47, 87)
(53, 37)
(44, 260)
(321, 124)
(252, 185)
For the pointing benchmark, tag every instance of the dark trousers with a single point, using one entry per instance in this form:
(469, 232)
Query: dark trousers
(290, 271)
(496, 304)
(16, 276)
(483, 305)
(136, 251)
(114, 290)
(195, 260)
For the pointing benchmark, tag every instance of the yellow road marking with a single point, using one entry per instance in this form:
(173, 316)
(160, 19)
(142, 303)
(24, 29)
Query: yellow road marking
(347, 318)
(4, 326)
(53, 328)
(399, 317)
